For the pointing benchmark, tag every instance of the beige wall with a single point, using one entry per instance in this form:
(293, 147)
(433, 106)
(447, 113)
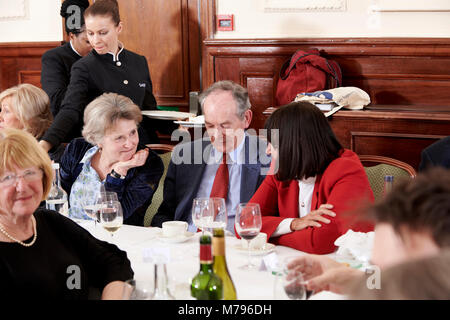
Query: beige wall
(259, 19)
(41, 22)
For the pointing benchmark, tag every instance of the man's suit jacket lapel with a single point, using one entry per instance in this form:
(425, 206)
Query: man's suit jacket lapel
(250, 172)
(194, 174)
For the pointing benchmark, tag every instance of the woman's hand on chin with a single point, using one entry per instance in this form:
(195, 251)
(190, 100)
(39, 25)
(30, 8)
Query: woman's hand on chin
(137, 160)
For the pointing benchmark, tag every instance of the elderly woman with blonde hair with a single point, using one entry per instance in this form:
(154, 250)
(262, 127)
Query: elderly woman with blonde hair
(27, 107)
(109, 155)
(39, 248)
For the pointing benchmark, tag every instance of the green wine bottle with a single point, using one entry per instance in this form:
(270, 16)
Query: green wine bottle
(220, 264)
(206, 285)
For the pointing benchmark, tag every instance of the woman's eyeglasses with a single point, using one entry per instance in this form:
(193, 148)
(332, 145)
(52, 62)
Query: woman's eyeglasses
(9, 179)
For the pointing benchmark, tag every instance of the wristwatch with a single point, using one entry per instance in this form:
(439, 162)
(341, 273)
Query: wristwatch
(116, 175)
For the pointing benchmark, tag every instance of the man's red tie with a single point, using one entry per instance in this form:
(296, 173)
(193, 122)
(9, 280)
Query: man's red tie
(221, 181)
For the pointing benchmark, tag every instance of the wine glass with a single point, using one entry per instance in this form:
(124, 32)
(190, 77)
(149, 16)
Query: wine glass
(201, 212)
(248, 225)
(290, 284)
(219, 217)
(91, 206)
(111, 216)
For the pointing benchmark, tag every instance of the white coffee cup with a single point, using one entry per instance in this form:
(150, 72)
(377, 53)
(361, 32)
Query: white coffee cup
(258, 243)
(171, 229)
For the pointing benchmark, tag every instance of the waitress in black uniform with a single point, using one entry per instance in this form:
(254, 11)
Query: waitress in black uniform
(108, 68)
(57, 62)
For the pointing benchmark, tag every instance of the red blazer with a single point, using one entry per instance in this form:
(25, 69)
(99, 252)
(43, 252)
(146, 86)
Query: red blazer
(344, 184)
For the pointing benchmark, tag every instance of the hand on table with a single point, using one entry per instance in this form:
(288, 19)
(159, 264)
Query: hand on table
(313, 218)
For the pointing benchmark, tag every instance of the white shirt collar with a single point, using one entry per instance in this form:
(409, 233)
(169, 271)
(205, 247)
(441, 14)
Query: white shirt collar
(71, 45)
(236, 156)
(116, 57)
(89, 154)
(310, 180)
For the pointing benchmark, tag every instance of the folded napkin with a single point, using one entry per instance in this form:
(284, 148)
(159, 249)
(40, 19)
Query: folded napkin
(346, 97)
(355, 246)
(198, 119)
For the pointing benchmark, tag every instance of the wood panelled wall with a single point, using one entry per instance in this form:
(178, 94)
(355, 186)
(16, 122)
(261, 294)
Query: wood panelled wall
(167, 33)
(408, 81)
(21, 63)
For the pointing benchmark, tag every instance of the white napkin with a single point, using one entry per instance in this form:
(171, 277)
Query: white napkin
(355, 246)
(198, 119)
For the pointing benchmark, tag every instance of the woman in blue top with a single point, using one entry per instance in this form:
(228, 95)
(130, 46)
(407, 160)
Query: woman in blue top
(110, 154)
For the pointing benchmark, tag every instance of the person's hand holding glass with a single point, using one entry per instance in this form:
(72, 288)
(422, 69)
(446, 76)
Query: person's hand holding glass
(248, 224)
(290, 283)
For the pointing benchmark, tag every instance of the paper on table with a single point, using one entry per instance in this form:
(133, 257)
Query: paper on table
(355, 246)
(156, 255)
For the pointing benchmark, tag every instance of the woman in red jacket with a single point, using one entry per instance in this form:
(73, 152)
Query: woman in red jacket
(304, 202)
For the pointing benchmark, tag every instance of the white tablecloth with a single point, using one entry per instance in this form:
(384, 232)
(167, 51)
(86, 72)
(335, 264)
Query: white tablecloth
(184, 261)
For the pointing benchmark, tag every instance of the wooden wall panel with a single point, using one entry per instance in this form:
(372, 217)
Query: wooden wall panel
(392, 145)
(167, 34)
(392, 71)
(21, 62)
(408, 81)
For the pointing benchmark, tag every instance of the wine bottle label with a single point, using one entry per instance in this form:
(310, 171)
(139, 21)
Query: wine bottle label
(205, 253)
(218, 245)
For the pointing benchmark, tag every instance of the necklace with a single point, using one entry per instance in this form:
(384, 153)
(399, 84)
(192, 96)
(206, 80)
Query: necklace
(18, 241)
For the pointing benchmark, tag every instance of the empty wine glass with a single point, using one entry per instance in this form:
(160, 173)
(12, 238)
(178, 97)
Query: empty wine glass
(111, 216)
(290, 284)
(219, 217)
(201, 212)
(248, 225)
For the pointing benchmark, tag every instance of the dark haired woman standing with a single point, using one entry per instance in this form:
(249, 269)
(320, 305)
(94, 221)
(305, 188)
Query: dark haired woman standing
(108, 68)
(57, 62)
(304, 202)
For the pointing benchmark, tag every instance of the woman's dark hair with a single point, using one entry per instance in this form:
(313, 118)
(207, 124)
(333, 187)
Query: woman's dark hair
(104, 8)
(73, 24)
(307, 143)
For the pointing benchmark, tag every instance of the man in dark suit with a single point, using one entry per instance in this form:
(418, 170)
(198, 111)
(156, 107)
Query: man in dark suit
(436, 154)
(199, 169)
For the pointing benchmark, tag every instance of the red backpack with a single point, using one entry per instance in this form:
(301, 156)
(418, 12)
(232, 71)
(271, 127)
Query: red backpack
(306, 71)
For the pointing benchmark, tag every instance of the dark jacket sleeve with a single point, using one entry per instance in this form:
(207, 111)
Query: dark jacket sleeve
(54, 80)
(103, 261)
(75, 100)
(135, 192)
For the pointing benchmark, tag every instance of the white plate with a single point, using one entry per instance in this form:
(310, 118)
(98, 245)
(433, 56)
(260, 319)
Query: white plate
(183, 238)
(188, 124)
(167, 115)
(268, 248)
